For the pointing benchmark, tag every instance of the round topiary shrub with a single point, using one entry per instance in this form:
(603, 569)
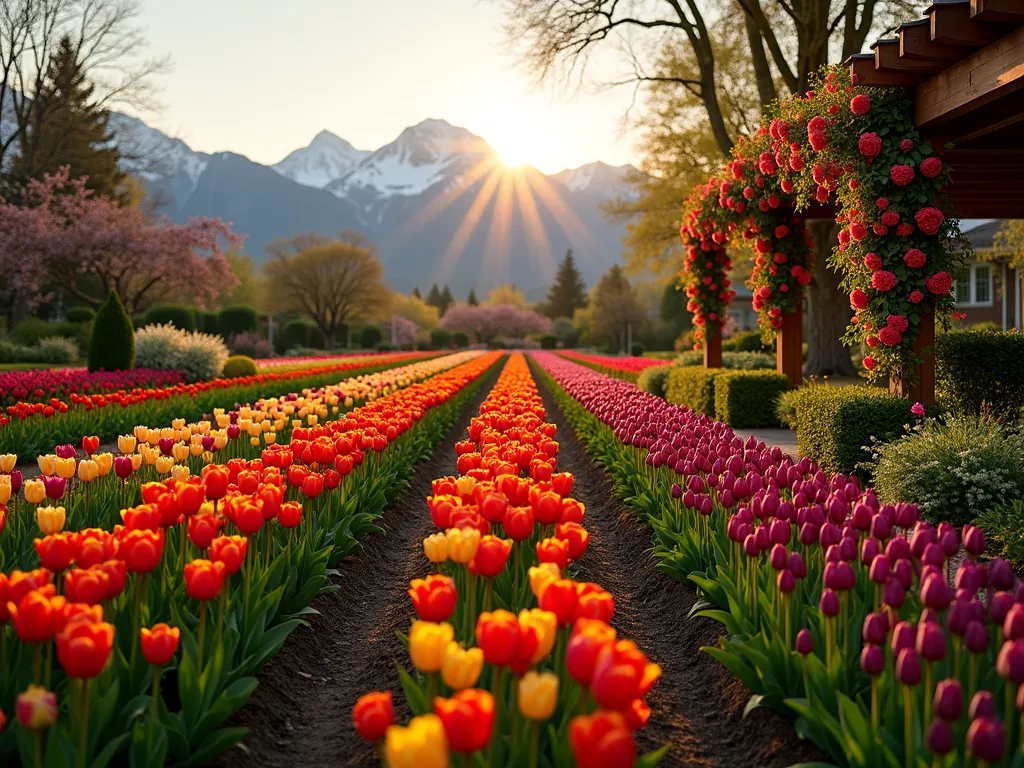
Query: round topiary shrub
(239, 365)
(112, 344)
(440, 338)
(30, 330)
(179, 316)
(370, 337)
(79, 314)
(237, 318)
(303, 333)
(206, 322)
(460, 340)
(637, 350)
(548, 341)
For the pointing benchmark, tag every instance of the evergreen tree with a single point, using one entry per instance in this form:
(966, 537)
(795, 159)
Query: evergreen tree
(416, 293)
(472, 299)
(615, 309)
(75, 131)
(446, 300)
(568, 293)
(434, 297)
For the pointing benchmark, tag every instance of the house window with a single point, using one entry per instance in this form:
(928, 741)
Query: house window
(974, 288)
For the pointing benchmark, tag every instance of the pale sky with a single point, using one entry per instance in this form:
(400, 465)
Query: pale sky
(262, 77)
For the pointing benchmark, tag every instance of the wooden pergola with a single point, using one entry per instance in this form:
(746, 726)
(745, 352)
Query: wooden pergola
(964, 61)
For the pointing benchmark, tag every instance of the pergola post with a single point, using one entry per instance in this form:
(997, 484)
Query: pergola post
(789, 346)
(712, 346)
(922, 390)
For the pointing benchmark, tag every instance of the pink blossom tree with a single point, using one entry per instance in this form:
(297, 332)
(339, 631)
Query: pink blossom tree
(87, 245)
(406, 331)
(489, 321)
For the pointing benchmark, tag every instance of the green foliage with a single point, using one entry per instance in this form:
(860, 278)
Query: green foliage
(206, 322)
(953, 471)
(694, 387)
(745, 341)
(460, 340)
(79, 314)
(370, 337)
(52, 350)
(302, 333)
(637, 350)
(988, 326)
(1004, 528)
(76, 332)
(981, 372)
(548, 341)
(496, 344)
(738, 361)
(178, 315)
(239, 365)
(567, 293)
(30, 330)
(112, 346)
(237, 318)
(745, 399)
(383, 347)
(785, 408)
(835, 426)
(654, 379)
(440, 338)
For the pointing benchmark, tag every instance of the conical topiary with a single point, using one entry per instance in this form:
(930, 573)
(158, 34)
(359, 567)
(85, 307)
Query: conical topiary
(112, 344)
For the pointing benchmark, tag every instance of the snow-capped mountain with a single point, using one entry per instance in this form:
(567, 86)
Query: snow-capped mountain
(327, 157)
(429, 200)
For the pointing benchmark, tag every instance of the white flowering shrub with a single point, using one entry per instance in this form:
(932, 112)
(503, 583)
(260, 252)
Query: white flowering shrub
(199, 356)
(954, 471)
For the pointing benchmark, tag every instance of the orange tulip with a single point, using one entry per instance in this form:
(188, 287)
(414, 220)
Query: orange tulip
(553, 551)
(202, 529)
(504, 640)
(34, 617)
(95, 546)
(589, 637)
(229, 550)
(141, 550)
(145, 517)
(576, 538)
(491, 556)
(560, 598)
(593, 602)
(290, 514)
(57, 551)
(215, 479)
(433, 597)
(84, 647)
(86, 586)
(622, 674)
(204, 579)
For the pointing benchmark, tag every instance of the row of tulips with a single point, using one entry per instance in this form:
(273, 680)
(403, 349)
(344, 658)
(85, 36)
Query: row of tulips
(39, 385)
(627, 368)
(887, 636)
(516, 663)
(29, 428)
(220, 564)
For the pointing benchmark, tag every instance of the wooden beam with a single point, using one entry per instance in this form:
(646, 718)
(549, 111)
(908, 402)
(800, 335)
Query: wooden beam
(998, 10)
(951, 24)
(712, 346)
(863, 72)
(922, 390)
(986, 75)
(789, 347)
(916, 43)
(887, 59)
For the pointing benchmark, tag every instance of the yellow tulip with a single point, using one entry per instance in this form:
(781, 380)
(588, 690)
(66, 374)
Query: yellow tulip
(35, 491)
(427, 644)
(461, 668)
(462, 544)
(164, 464)
(312, 419)
(179, 451)
(47, 464)
(270, 437)
(196, 449)
(244, 424)
(204, 427)
(254, 442)
(50, 519)
(136, 461)
(546, 625)
(88, 470)
(5, 488)
(465, 485)
(177, 423)
(279, 425)
(542, 575)
(245, 412)
(421, 744)
(126, 443)
(219, 441)
(168, 433)
(180, 472)
(296, 423)
(435, 547)
(65, 467)
(349, 402)
(255, 430)
(8, 461)
(141, 434)
(104, 463)
(538, 693)
(148, 454)
(267, 425)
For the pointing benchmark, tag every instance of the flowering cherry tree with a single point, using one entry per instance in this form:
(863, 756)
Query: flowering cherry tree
(489, 321)
(63, 233)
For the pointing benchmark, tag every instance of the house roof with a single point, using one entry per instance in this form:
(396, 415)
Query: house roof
(982, 236)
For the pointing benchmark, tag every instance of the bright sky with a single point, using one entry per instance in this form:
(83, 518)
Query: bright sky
(262, 77)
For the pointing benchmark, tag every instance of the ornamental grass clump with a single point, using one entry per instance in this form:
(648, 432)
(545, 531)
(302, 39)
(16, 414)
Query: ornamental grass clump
(955, 470)
(199, 356)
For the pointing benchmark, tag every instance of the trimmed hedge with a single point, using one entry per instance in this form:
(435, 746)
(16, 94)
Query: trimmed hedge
(112, 346)
(548, 341)
(745, 399)
(79, 314)
(206, 322)
(654, 379)
(835, 425)
(178, 315)
(237, 318)
(239, 365)
(303, 333)
(981, 371)
(370, 337)
(440, 338)
(460, 340)
(637, 350)
(694, 387)
(30, 330)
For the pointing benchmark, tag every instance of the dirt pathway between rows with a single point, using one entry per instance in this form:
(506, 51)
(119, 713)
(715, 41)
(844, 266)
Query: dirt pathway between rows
(697, 705)
(301, 713)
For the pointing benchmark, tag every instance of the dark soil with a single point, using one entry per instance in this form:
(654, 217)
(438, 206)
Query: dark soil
(697, 705)
(301, 712)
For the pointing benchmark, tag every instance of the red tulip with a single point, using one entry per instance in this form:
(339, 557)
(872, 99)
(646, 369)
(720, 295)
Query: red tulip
(290, 515)
(248, 517)
(95, 546)
(433, 597)
(204, 579)
(589, 637)
(491, 556)
(468, 719)
(502, 639)
(117, 577)
(229, 550)
(593, 602)
(621, 674)
(86, 586)
(202, 529)
(189, 497)
(160, 643)
(215, 480)
(575, 536)
(312, 485)
(548, 508)
(141, 550)
(57, 551)
(145, 517)
(90, 444)
(518, 523)
(34, 617)
(373, 714)
(602, 740)
(83, 648)
(560, 598)
(492, 507)
(553, 550)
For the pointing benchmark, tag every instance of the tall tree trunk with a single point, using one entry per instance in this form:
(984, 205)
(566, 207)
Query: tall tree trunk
(762, 72)
(828, 311)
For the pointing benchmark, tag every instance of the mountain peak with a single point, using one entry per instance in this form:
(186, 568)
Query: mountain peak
(327, 157)
(330, 139)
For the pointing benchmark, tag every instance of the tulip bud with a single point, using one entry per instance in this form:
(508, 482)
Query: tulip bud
(903, 636)
(872, 660)
(36, 708)
(931, 641)
(829, 603)
(949, 702)
(875, 629)
(804, 642)
(908, 667)
(940, 737)
(538, 694)
(1010, 663)
(985, 739)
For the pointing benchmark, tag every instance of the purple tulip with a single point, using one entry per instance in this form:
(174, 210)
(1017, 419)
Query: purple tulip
(949, 700)
(974, 540)
(924, 535)
(935, 593)
(898, 549)
(931, 641)
(958, 617)
(999, 606)
(804, 642)
(166, 445)
(1013, 624)
(208, 443)
(1000, 575)
(66, 451)
(985, 739)
(55, 486)
(808, 534)
(829, 535)
(233, 431)
(903, 636)
(123, 467)
(949, 542)
(975, 637)
(839, 576)
(881, 527)
(779, 557)
(677, 492)
(848, 548)
(908, 667)
(1010, 663)
(797, 565)
(750, 546)
(983, 704)
(906, 515)
(763, 542)
(872, 660)
(17, 480)
(893, 594)
(940, 737)
(786, 581)
(880, 569)
(829, 603)
(875, 629)
(869, 550)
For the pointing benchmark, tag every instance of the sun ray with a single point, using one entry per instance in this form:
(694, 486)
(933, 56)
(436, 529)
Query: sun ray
(567, 219)
(534, 227)
(453, 253)
(499, 245)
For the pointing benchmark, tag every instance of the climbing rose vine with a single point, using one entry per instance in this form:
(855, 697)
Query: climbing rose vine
(854, 148)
